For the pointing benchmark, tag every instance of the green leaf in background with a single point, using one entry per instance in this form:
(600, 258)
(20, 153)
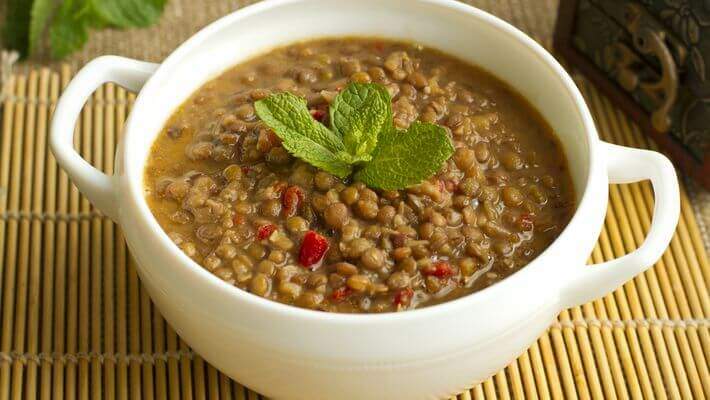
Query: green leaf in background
(403, 159)
(69, 30)
(40, 15)
(15, 31)
(359, 113)
(66, 23)
(128, 13)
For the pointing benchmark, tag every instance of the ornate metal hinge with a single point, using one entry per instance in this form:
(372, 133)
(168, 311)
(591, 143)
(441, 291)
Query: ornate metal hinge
(649, 39)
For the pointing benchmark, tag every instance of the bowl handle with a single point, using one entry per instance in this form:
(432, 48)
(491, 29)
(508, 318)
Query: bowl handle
(97, 186)
(626, 165)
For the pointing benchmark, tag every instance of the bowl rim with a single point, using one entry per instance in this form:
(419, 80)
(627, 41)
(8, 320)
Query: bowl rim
(139, 203)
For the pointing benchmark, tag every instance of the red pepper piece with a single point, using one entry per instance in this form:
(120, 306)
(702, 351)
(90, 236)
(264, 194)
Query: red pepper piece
(341, 293)
(403, 297)
(440, 269)
(292, 197)
(279, 187)
(273, 139)
(313, 248)
(318, 114)
(265, 231)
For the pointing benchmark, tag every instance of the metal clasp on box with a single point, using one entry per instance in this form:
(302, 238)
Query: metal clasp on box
(648, 39)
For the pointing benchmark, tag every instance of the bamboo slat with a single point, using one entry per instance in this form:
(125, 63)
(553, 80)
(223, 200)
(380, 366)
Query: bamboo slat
(13, 268)
(76, 322)
(51, 242)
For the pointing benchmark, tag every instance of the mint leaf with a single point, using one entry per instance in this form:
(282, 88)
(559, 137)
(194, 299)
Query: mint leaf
(359, 113)
(66, 23)
(403, 159)
(303, 136)
(128, 13)
(69, 29)
(289, 112)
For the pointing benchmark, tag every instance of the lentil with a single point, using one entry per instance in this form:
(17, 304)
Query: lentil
(358, 283)
(336, 215)
(373, 258)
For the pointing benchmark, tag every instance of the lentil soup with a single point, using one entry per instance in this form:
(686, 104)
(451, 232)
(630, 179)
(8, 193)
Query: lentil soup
(233, 199)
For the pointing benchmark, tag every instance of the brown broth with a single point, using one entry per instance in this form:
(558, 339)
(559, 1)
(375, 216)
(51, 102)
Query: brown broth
(216, 176)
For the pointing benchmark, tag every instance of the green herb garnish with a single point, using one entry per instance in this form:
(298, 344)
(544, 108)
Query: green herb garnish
(362, 137)
(358, 114)
(66, 23)
(303, 136)
(403, 159)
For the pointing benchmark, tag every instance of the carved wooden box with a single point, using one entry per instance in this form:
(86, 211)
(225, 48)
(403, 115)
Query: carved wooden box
(652, 59)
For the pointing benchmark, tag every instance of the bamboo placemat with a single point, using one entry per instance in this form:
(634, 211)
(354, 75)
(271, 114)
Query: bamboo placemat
(76, 322)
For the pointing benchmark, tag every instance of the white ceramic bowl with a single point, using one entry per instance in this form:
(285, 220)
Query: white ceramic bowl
(288, 352)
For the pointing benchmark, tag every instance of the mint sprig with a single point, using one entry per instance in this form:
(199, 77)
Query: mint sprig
(362, 137)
